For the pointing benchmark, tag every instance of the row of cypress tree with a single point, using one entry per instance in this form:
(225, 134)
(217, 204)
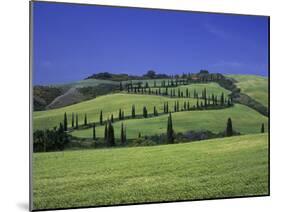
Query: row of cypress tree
(121, 116)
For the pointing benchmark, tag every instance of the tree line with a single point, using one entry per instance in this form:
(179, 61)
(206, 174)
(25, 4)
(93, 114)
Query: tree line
(176, 107)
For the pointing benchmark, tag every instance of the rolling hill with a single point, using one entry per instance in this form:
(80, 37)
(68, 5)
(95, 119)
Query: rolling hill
(254, 86)
(109, 104)
(228, 167)
(211, 88)
(245, 120)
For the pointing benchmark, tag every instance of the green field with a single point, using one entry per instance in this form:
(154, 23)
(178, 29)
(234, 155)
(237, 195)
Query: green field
(245, 120)
(211, 88)
(228, 167)
(110, 104)
(254, 86)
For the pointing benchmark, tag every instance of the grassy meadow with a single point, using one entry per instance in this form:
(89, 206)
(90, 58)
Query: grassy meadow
(109, 104)
(214, 120)
(227, 167)
(211, 88)
(213, 168)
(254, 86)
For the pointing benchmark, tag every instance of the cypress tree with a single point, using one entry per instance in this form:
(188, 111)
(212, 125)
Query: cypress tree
(139, 134)
(144, 112)
(125, 135)
(101, 118)
(72, 120)
(105, 132)
(110, 135)
(133, 111)
(120, 114)
(229, 131)
(65, 122)
(184, 105)
(85, 120)
(122, 134)
(222, 99)
(167, 107)
(178, 106)
(111, 118)
(213, 99)
(123, 116)
(170, 131)
(94, 131)
(76, 121)
(154, 111)
(175, 107)
(262, 128)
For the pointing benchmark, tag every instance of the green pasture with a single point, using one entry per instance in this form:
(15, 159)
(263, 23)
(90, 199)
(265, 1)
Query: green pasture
(211, 88)
(109, 104)
(244, 119)
(228, 167)
(254, 86)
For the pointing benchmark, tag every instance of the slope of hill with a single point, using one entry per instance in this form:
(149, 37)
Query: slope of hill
(244, 119)
(109, 104)
(228, 167)
(60, 95)
(254, 86)
(211, 88)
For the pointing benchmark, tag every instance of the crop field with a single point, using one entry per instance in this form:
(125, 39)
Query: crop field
(254, 86)
(214, 120)
(227, 167)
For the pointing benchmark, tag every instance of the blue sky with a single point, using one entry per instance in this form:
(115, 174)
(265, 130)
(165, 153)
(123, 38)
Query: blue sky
(72, 42)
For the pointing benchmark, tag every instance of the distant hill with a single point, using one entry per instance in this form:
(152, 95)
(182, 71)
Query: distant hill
(249, 90)
(125, 77)
(254, 86)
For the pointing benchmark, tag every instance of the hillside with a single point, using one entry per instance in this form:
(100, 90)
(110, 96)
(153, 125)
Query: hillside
(254, 86)
(60, 95)
(245, 120)
(109, 104)
(211, 88)
(229, 167)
